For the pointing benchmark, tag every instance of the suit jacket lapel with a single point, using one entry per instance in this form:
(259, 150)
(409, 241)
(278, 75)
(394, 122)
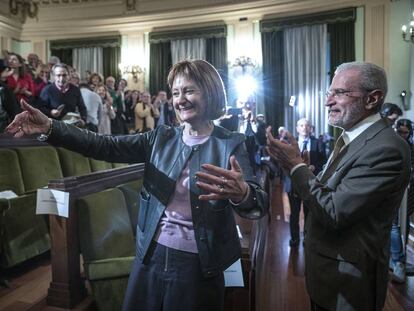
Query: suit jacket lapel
(352, 148)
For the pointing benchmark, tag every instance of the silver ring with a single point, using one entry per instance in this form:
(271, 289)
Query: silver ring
(221, 187)
(20, 128)
(223, 180)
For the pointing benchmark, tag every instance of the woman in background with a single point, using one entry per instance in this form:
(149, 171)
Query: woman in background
(108, 112)
(20, 82)
(41, 80)
(145, 114)
(95, 79)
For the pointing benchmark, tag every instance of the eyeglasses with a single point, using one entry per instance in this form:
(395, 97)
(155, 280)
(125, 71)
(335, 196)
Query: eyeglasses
(340, 93)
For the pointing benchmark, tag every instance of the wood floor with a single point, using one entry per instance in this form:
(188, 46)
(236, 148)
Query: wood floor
(283, 271)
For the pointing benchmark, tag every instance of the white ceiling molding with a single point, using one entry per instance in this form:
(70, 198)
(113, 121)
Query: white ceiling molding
(66, 2)
(10, 27)
(112, 19)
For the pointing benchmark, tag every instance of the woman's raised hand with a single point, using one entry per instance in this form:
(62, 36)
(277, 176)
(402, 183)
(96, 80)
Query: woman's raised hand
(30, 121)
(222, 184)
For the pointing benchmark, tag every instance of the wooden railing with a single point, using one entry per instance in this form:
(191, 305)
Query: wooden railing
(67, 288)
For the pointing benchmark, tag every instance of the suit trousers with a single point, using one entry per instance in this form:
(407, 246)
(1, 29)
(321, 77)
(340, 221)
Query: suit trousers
(172, 280)
(295, 202)
(316, 307)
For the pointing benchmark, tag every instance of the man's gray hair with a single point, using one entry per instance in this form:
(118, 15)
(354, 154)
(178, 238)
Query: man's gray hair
(60, 65)
(303, 119)
(54, 60)
(372, 76)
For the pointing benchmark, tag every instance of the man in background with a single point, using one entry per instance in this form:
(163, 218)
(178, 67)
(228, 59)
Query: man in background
(166, 109)
(316, 157)
(118, 125)
(61, 97)
(391, 111)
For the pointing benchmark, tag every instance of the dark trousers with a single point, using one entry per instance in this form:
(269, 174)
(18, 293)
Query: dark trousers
(171, 280)
(295, 203)
(316, 307)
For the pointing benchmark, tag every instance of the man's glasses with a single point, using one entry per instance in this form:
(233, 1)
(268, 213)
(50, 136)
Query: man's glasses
(340, 93)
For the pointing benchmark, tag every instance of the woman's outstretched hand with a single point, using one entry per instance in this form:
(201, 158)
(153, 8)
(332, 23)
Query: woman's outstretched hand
(222, 184)
(30, 121)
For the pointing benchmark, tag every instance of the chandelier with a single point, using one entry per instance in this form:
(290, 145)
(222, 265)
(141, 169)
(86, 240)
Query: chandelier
(24, 8)
(408, 31)
(134, 70)
(243, 62)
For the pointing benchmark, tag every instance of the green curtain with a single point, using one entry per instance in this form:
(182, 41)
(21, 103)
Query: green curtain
(218, 31)
(160, 52)
(270, 24)
(111, 58)
(342, 44)
(272, 48)
(342, 50)
(111, 51)
(216, 54)
(65, 55)
(160, 64)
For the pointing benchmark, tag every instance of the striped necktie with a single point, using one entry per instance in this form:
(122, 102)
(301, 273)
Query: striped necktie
(332, 162)
(340, 143)
(304, 147)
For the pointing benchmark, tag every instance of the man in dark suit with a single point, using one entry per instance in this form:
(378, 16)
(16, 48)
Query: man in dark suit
(316, 159)
(353, 200)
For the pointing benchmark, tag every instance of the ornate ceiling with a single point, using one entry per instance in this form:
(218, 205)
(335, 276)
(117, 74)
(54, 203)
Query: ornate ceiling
(49, 2)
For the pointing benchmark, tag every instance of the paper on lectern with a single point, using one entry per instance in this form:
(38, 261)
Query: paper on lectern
(50, 201)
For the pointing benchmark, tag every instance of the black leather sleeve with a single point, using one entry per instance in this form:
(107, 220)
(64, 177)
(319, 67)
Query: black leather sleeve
(121, 149)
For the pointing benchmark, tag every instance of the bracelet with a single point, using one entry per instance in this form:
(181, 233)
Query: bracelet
(246, 195)
(50, 127)
(44, 137)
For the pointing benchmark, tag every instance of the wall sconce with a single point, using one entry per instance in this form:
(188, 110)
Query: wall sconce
(409, 31)
(403, 96)
(134, 70)
(24, 8)
(243, 62)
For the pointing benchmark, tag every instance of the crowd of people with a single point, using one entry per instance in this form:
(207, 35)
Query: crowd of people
(198, 173)
(102, 105)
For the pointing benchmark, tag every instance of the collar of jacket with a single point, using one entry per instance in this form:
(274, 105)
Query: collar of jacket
(170, 154)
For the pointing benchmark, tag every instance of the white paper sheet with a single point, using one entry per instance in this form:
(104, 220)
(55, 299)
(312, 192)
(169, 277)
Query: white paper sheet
(51, 201)
(233, 276)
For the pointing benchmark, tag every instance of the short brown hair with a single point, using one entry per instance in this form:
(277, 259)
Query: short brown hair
(208, 79)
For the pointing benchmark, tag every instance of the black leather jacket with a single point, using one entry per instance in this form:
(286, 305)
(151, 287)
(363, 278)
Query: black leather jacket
(166, 155)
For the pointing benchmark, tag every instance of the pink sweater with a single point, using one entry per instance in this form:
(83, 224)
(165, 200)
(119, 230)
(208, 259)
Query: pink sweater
(175, 229)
